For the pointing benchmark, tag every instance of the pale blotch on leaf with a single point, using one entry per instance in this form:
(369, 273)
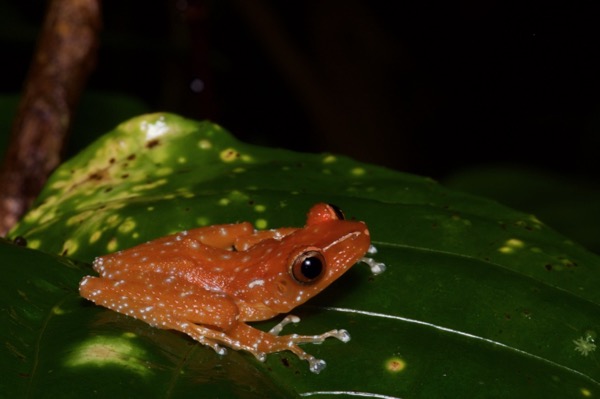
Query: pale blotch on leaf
(205, 144)
(395, 365)
(229, 155)
(127, 226)
(95, 236)
(149, 186)
(237, 195)
(202, 221)
(260, 208)
(511, 245)
(59, 184)
(182, 160)
(162, 172)
(70, 247)
(47, 216)
(33, 215)
(34, 244)
(457, 218)
(329, 159)
(109, 351)
(358, 171)
(58, 311)
(80, 217)
(224, 201)
(112, 245)
(586, 393)
(261, 223)
(239, 170)
(187, 194)
(113, 220)
(535, 220)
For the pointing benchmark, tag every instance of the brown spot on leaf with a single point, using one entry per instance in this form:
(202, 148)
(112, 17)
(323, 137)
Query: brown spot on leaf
(152, 143)
(96, 176)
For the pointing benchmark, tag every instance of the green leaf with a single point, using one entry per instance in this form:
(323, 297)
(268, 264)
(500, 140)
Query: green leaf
(478, 300)
(568, 203)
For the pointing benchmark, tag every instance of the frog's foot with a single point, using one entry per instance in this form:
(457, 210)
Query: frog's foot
(315, 365)
(341, 334)
(198, 333)
(290, 342)
(259, 343)
(215, 339)
(376, 267)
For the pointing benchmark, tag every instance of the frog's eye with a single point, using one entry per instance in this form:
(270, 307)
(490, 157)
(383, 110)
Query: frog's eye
(338, 212)
(308, 267)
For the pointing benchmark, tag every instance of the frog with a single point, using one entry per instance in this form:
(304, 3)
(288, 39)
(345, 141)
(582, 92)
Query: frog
(211, 282)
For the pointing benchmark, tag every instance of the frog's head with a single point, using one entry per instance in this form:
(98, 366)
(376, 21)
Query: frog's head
(313, 257)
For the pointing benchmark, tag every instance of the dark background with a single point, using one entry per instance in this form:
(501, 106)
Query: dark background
(443, 89)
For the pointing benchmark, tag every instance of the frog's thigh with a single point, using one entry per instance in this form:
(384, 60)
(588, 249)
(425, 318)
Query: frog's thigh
(164, 304)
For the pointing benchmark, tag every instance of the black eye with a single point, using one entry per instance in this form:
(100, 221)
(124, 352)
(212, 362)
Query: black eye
(338, 212)
(308, 267)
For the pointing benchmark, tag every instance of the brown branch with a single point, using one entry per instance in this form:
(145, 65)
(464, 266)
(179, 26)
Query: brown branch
(63, 59)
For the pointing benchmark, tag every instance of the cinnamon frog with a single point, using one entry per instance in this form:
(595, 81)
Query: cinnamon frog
(209, 282)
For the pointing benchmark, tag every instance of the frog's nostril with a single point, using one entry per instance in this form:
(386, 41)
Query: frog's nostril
(282, 287)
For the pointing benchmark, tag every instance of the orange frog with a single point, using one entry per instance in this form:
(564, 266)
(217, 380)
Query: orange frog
(210, 281)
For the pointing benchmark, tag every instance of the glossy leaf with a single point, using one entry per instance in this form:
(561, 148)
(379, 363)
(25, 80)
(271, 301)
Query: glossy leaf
(478, 300)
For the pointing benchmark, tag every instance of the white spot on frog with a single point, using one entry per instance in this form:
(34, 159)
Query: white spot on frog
(256, 282)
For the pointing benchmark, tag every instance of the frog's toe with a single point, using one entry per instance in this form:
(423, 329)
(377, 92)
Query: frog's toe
(376, 267)
(342, 335)
(216, 347)
(260, 356)
(316, 365)
(287, 320)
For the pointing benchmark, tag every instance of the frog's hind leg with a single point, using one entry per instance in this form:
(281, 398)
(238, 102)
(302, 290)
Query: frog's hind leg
(168, 305)
(270, 342)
